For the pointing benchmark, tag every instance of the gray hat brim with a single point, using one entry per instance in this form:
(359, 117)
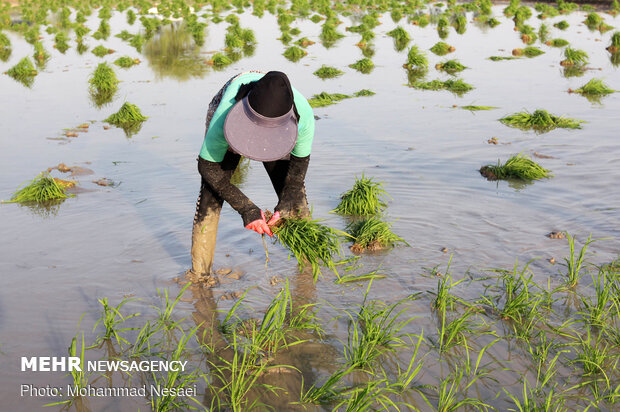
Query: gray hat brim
(259, 137)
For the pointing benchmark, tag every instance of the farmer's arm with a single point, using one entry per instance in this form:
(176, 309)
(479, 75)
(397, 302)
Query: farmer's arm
(219, 180)
(292, 195)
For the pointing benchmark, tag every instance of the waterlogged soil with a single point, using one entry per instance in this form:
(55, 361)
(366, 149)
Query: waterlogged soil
(132, 237)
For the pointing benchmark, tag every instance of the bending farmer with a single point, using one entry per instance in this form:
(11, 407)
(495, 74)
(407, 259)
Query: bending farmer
(259, 116)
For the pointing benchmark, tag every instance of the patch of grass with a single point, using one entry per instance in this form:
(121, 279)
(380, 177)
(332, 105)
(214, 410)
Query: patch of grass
(518, 166)
(450, 66)
(594, 87)
(294, 53)
(441, 48)
(367, 197)
(24, 72)
(562, 25)
(575, 262)
(328, 72)
(126, 62)
(540, 120)
(42, 189)
(310, 242)
(557, 43)
(457, 86)
(101, 51)
(416, 59)
(364, 65)
(574, 57)
(372, 234)
(475, 108)
(103, 83)
(129, 118)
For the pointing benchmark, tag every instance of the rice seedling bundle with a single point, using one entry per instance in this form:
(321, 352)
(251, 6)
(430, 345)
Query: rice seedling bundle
(131, 17)
(562, 25)
(103, 80)
(594, 87)
(460, 24)
(457, 86)
(416, 59)
(304, 42)
(127, 115)
(574, 57)
(325, 99)
(103, 31)
(220, 60)
(294, 53)
(493, 22)
(81, 31)
(126, 62)
(557, 43)
(540, 120)
(5, 47)
(196, 29)
(60, 42)
(613, 48)
(367, 197)
(41, 189)
(310, 242)
(532, 51)
(124, 35)
(450, 66)
(516, 167)
(441, 48)
(372, 234)
(543, 32)
(23, 69)
(364, 65)
(399, 34)
(137, 41)
(474, 108)
(40, 55)
(101, 51)
(500, 58)
(329, 34)
(327, 72)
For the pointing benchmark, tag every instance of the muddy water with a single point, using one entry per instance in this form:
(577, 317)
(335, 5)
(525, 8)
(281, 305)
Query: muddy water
(132, 238)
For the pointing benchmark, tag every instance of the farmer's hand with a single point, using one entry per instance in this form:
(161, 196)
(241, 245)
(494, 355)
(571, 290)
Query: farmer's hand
(274, 219)
(260, 225)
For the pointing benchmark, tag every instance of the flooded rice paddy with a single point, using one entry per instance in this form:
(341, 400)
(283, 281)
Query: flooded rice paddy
(127, 232)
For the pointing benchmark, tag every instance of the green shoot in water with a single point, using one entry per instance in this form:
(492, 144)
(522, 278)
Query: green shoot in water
(372, 234)
(416, 59)
(557, 43)
(126, 62)
(540, 121)
(325, 99)
(441, 48)
(475, 108)
(364, 65)
(574, 57)
(101, 51)
(401, 38)
(327, 72)
(450, 66)
(294, 53)
(24, 72)
(129, 118)
(41, 189)
(517, 167)
(103, 83)
(457, 86)
(365, 198)
(594, 87)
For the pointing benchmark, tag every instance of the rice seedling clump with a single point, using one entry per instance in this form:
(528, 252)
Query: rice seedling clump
(450, 66)
(5, 47)
(574, 57)
(220, 60)
(500, 58)
(367, 197)
(103, 83)
(532, 51)
(457, 86)
(364, 65)
(416, 59)
(517, 167)
(23, 72)
(594, 87)
(126, 62)
(310, 242)
(474, 108)
(41, 189)
(372, 234)
(128, 116)
(540, 120)
(562, 25)
(294, 53)
(557, 43)
(327, 72)
(325, 99)
(399, 35)
(101, 51)
(614, 47)
(441, 48)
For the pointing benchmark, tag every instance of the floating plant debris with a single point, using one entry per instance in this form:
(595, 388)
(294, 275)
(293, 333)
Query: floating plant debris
(325, 99)
(129, 118)
(310, 242)
(41, 189)
(24, 72)
(517, 167)
(441, 48)
(327, 72)
(594, 87)
(367, 197)
(364, 65)
(101, 51)
(457, 86)
(540, 120)
(294, 53)
(372, 234)
(450, 66)
(126, 62)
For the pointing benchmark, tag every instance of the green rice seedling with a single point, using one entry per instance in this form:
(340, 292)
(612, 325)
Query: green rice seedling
(595, 22)
(574, 57)
(81, 47)
(613, 48)
(595, 359)
(557, 43)
(195, 28)
(364, 65)
(460, 24)
(367, 197)
(518, 166)
(457, 86)
(444, 299)
(562, 25)
(304, 42)
(452, 333)
(329, 392)
(164, 315)
(60, 42)
(522, 14)
(342, 279)
(129, 118)
(294, 53)
(441, 48)
(532, 51)
(374, 330)
(126, 62)
(329, 35)
(24, 72)
(5, 47)
(151, 25)
(103, 31)
(372, 234)
(111, 319)
(416, 59)
(145, 344)
(124, 35)
(325, 99)
(442, 27)
(493, 22)
(595, 87)
(540, 120)
(372, 395)
(575, 262)
(310, 242)
(32, 35)
(450, 66)
(220, 60)
(42, 189)
(40, 55)
(131, 17)
(532, 400)
(81, 31)
(327, 72)
(474, 108)
(596, 312)
(543, 32)
(101, 51)
(400, 36)
(450, 396)
(363, 93)
(137, 41)
(103, 83)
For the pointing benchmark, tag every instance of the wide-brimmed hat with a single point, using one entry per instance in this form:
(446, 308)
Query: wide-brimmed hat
(262, 125)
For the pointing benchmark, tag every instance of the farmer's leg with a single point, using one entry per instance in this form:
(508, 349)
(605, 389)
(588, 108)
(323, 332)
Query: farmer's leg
(277, 171)
(206, 218)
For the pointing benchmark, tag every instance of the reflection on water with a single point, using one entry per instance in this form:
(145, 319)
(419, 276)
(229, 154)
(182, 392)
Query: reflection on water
(172, 52)
(46, 209)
